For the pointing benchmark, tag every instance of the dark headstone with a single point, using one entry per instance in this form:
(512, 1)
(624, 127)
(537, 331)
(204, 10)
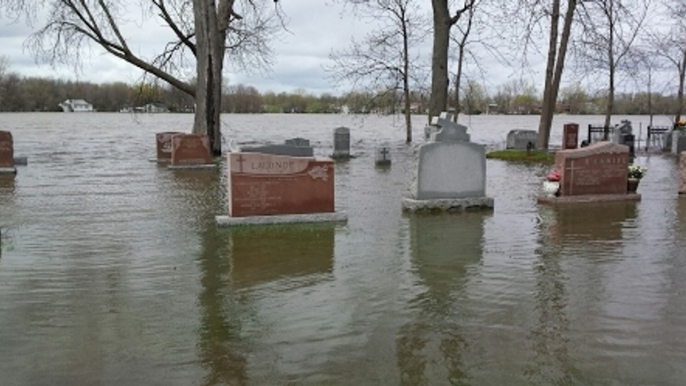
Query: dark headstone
(190, 150)
(600, 168)
(265, 185)
(299, 142)
(341, 142)
(570, 136)
(164, 144)
(383, 156)
(6, 150)
(286, 150)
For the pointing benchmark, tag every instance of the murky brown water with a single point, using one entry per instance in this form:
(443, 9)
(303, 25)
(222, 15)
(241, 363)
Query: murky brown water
(113, 273)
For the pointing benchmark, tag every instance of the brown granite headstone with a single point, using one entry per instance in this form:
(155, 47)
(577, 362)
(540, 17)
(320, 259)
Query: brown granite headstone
(164, 144)
(264, 184)
(570, 136)
(6, 150)
(190, 150)
(682, 172)
(600, 168)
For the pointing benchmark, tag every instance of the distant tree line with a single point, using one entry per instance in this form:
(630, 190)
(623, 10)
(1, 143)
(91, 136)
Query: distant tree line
(36, 94)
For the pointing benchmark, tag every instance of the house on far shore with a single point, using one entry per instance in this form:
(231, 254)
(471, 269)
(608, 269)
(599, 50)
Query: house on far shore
(153, 108)
(76, 106)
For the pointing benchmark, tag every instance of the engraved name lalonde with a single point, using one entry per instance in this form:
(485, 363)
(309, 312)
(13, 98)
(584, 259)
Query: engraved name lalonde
(593, 171)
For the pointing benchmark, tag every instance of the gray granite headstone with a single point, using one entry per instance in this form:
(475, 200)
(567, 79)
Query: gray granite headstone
(678, 141)
(450, 167)
(451, 131)
(300, 142)
(341, 142)
(620, 131)
(382, 155)
(520, 139)
(293, 151)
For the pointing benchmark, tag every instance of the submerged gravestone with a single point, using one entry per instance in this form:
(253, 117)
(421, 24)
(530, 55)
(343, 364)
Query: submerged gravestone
(450, 173)
(382, 155)
(522, 139)
(341, 142)
(295, 147)
(164, 144)
(7, 153)
(595, 173)
(678, 143)
(269, 189)
(191, 151)
(570, 136)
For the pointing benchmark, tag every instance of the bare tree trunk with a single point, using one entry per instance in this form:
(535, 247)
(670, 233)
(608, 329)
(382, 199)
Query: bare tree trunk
(439, 58)
(458, 78)
(209, 73)
(680, 93)
(548, 98)
(406, 78)
(552, 89)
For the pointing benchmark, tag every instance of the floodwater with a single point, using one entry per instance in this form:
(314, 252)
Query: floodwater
(112, 271)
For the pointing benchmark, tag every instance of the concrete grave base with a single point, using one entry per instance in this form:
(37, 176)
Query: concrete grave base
(228, 221)
(8, 170)
(184, 167)
(589, 198)
(447, 204)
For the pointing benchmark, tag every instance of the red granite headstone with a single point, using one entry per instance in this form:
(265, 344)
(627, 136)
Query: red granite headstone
(264, 184)
(570, 136)
(600, 168)
(6, 150)
(164, 144)
(190, 150)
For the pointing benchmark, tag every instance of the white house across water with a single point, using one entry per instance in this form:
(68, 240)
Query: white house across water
(76, 106)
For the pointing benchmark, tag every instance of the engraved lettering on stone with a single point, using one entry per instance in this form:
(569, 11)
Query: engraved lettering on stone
(320, 172)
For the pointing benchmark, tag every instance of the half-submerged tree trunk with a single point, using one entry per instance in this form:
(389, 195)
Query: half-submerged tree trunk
(680, 92)
(406, 76)
(554, 69)
(210, 59)
(439, 58)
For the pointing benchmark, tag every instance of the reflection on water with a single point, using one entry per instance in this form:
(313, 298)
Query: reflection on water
(432, 346)
(575, 224)
(115, 274)
(262, 255)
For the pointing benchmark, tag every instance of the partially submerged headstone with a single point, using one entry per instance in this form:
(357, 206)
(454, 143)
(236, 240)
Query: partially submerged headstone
(678, 142)
(522, 139)
(341, 142)
(382, 155)
(298, 141)
(594, 173)
(450, 173)
(191, 151)
(295, 147)
(7, 153)
(265, 188)
(682, 172)
(570, 136)
(164, 144)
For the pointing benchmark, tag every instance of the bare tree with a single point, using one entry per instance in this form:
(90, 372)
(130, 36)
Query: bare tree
(204, 30)
(557, 52)
(610, 29)
(384, 58)
(3, 69)
(443, 20)
(670, 45)
(463, 31)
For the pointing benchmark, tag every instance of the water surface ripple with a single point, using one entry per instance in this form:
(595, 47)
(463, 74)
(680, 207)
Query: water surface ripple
(112, 271)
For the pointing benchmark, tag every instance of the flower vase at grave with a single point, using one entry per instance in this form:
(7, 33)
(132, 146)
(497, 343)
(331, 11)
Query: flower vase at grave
(632, 185)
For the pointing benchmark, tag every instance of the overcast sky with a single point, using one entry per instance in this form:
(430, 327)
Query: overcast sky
(315, 28)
